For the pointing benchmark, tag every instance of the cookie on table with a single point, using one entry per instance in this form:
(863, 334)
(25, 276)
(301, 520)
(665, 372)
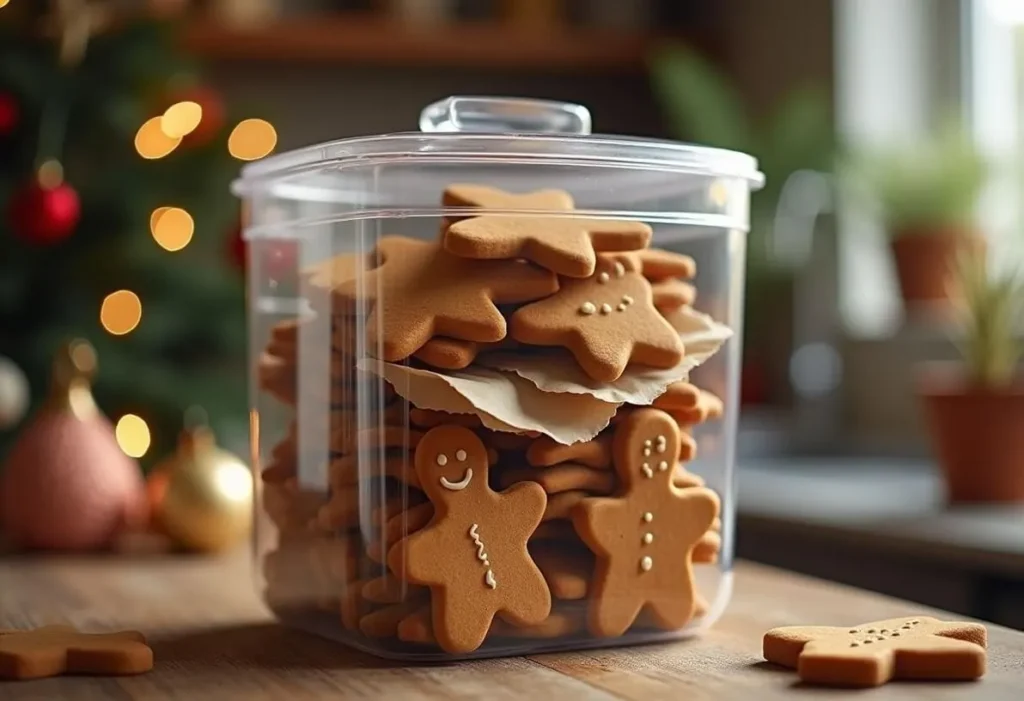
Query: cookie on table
(54, 650)
(871, 654)
(472, 554)
(420, 291)
(564, 245)
(653, 569)
(607, 321)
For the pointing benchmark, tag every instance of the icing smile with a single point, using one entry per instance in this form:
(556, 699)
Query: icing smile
(461, 484)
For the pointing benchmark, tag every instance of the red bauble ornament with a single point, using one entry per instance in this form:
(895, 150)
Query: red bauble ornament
(236, 248)
(10, 114)
(44, 215)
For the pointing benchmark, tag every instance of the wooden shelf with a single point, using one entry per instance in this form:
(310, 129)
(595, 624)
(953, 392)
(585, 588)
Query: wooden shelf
(383, 42)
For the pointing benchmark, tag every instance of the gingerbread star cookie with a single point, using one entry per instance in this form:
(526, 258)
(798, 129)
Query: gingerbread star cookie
(53, 650)
(644, 538)
(420, 291)
(567, 246)
(607, 321)
(472, 554)
(871, 654)
(486, 197)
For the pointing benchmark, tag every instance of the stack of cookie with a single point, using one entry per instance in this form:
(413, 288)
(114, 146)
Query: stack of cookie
(437, 530)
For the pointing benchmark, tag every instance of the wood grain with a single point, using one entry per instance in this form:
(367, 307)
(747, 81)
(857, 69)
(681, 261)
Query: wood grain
(213, 639)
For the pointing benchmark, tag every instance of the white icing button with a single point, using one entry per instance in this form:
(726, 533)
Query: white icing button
(620, 269)
(621, 307)
(648, 517)
(442, 459)
(647, 452)
(588, 308)
(627, 299)
(460, 455)
(661, 448)
(648, 538)
(662, 465)
(606, 309)
(646, 563)
(603, 277)
(647, 471)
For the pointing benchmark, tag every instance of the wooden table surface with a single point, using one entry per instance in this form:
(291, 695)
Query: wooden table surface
(214, 640)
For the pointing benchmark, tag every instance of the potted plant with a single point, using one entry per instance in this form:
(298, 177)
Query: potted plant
(975, 409)
(926, 192)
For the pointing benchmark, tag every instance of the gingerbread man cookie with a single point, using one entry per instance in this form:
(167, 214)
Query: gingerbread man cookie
(472, 554)
(607, 321)
(420, 291)
(644, 537)
(871, 654)
(565, 245)
(53, 650)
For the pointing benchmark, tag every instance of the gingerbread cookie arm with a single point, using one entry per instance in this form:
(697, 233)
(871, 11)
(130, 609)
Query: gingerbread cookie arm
(783, 646)
(113, 653)
(459, 623)
(971, 632)
(520, 509)
(414, 557)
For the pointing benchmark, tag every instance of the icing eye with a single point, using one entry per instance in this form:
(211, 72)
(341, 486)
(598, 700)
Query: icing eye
(460, 455)
(442, 459)
(603, 278)
(620, 269)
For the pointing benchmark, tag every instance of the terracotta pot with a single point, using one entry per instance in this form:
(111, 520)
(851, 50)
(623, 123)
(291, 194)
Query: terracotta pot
(977, 435)
(925, 258)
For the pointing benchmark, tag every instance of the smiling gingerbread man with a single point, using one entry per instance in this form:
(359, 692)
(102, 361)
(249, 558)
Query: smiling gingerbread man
(473, 552)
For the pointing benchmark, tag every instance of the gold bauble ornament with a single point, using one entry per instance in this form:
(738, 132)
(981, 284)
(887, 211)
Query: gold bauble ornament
(208, 502)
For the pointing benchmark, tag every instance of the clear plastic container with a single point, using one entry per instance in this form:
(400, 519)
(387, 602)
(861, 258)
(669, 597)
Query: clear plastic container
(371, 529)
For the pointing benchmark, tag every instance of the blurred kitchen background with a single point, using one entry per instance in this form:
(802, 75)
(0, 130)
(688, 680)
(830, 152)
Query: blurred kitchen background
(917, 103)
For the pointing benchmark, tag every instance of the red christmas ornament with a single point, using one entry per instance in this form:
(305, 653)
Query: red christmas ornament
(10, 115)
(46, 210)
(237, 253)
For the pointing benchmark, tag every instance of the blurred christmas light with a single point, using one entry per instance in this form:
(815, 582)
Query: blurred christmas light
(252, 139)
(132, 435)
(151, 142)
(3, 3)
(51, 174)
(121, 312)
(155, 217)
(181, 119)
(172, 227)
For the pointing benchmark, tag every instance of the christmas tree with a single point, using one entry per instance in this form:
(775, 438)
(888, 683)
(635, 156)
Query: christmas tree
(119, 226)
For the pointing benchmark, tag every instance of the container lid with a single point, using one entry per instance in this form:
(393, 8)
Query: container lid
(511, 130)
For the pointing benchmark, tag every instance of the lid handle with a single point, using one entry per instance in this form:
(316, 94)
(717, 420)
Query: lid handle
(502, 115)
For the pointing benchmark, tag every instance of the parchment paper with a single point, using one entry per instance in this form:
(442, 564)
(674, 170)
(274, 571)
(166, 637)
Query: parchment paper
(503, 400)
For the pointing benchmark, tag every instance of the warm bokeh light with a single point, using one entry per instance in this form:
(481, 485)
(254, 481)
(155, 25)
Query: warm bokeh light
(51, 174)
(3, 3)
(121, 312)
(181, 119)
(132, 435)
(252, 139)
(172, 227)
(151, 141)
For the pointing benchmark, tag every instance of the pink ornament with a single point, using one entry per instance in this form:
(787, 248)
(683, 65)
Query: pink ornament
(67, 484)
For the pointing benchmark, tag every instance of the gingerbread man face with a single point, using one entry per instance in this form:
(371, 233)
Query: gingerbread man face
(646, 459)
(451, 464)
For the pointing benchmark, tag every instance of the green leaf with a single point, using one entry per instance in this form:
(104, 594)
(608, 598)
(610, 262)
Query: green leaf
(699, 101)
